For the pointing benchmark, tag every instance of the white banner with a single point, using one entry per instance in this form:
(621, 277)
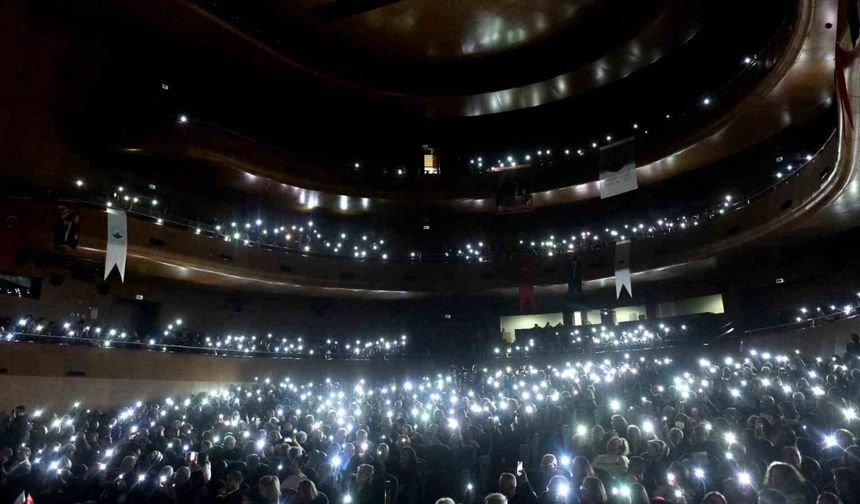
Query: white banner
(617, 169)
(117, 242)
(622, 269)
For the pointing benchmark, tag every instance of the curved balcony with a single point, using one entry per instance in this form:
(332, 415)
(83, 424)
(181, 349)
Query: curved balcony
(180, 253)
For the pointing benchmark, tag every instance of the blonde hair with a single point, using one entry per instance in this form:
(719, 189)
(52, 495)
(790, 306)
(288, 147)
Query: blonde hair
(306, 492)
(270, 488)
(625, 448)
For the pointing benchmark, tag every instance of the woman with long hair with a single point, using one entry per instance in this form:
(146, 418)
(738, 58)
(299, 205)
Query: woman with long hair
(592, 491)
(409, 484)
(306, 493)
(270, 489)
(786, 479)
(579, 469)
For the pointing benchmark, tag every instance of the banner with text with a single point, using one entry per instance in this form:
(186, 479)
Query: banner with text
(617, 169)
(622, 269)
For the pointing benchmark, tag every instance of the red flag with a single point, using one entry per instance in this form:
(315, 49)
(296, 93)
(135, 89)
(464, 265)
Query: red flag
(526, 288)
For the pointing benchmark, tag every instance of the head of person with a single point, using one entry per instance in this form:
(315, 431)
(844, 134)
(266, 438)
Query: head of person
(228, 443)
(364, 474)
(22, 454)
(495, 498)
(784, 478)
(306, 492)
(233, 481)
(548, 463)
(617, 446)
(791, 456)
(128, 463)
(270, 488)
(619, 424)
(714, 498)
(657, 449)
(348, 450)
(165, 475)
(855, 337)
(508, 485)
(828, 498)
(382, 452)
(700, 434)
(183, 475)
(592, 491)
(408, 458)
(581, 469)
(844, 438)
(634, 436)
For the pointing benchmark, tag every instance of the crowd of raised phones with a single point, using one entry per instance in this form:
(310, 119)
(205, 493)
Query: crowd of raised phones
(179, 338)
(755, 427)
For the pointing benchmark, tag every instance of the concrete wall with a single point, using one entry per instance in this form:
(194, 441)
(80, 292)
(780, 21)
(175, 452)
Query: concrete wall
(824, 340)
(39, 374)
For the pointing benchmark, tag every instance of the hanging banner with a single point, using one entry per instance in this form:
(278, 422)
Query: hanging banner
(117, 242)
(574, 279)
(617, 169)
(622, 268)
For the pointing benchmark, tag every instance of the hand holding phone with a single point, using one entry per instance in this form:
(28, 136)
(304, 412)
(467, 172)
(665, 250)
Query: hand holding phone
(519, 467)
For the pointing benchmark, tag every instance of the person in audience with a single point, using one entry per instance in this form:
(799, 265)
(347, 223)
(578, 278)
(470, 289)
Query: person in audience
(761, 428)
(307, 494)
(269, 489)
(516, 492)
(852, 349)
(615, 460)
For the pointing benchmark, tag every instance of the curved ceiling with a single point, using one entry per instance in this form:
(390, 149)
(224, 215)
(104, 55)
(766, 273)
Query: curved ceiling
(789, 83)
(459, 58)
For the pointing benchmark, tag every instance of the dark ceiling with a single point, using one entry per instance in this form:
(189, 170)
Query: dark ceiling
(354, 87)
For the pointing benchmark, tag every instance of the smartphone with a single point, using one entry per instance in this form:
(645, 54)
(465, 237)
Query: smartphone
(519, 467)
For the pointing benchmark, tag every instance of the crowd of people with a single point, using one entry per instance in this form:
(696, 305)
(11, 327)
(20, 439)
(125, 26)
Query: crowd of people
(176, 337)
(752, 428)
(597, 338)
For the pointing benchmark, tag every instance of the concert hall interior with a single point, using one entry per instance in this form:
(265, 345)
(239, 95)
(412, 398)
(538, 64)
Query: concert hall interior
(430, 252)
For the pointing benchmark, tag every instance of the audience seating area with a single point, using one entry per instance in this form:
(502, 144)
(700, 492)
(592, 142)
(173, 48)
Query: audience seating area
(762, 426)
